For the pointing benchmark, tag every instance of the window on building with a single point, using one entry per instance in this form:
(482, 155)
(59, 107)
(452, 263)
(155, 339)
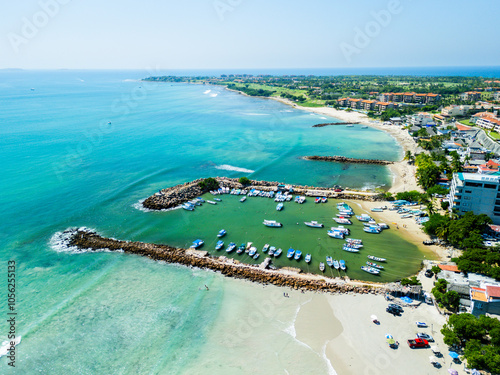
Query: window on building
(473, 184)
(490, 186)
(468, 191)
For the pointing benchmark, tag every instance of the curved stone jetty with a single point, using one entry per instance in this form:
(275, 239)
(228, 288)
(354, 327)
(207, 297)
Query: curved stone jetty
(89, 240)
(343, 159)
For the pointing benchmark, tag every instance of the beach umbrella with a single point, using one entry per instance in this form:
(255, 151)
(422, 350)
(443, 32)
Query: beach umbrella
(433, 359)
(435, 349)
(373, 317)
(391, 341)
(453, 355)
(452, 372)
(388, 336)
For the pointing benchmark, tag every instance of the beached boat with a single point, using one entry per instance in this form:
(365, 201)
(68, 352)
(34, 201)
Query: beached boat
(336, 234)
(383, 226)
(290, 253)
(298, 255)
(377, 259)
(329, 261)
(374, 265)
(243, 199)
(363, 217)
(221, 233)
(322, 266)
(219, 245)
(371, 270)
(308, 258)
(272, 224)
(231, 247)
(265, 248)
(279, 207)
(377, 209)
(350, 249)
(188, 206)
(278, 252)
(342, 220)
(342, 264)
(252, 251)
(211, 202)
(272, 250)
(197, 243)
(313, 224)
(336, 264)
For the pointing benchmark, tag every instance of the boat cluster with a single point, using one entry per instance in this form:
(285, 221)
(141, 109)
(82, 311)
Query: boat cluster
(321, 200)
(297, 255)
(190, 205)
(337, 264)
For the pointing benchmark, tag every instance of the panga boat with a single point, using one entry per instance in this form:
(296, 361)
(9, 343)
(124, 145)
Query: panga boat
(322, 266)
(278, 252)
(374, 265)
(336, 234)
(272, 224)
(375, 230)
(241, 248)
(290, 253)
(243, 199)
(371, 270)
(350, 249)
(231, 247)
(336, 264)
(197, 243)
(298, 254)
(363, 217)
(308, 258)
(324, 200)
(354, 240)
(279, 207)
(313, 224)
(342, 220)
(256, 256)
(272, 250)
(342, 264)
(265, 248)
(211, 202)
(188, 206)
(252, 251)
(329, 261)
(376, 258)
(221, 233)
(218, 199)
(219, 245)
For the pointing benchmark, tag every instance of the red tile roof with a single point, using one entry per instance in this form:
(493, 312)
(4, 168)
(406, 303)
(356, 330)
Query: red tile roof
(448, 267)
(463, 127)
(493, 291)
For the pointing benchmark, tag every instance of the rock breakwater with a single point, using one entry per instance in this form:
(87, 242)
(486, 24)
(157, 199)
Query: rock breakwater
(333, 123)
(343, 159)
(89, 240)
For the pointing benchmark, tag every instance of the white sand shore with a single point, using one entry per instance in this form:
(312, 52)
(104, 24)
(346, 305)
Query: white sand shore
(403, 173)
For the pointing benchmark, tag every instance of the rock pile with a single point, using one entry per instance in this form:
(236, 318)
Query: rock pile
(343, 159)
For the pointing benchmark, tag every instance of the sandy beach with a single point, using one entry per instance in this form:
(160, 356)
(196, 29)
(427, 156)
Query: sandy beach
(403, 173)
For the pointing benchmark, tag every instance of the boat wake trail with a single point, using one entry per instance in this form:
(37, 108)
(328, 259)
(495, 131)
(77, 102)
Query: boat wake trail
(227, 167)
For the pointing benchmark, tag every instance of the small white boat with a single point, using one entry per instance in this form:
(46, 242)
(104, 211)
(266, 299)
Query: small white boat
(243, 199)
(272, 224)
(231, 247)
(197, 243)
(188, 206)
(329, 261)
(373, 271)
(278, 252)
(375, 265)
(256, 255)
(265, 248)
(279, 207)
(218, 199)
(211, 202)
(350, 249)
(290, 253)
(221, 233)
(336, 264)
(342, 264)
(342, 220)
(252, 251)
(377, 259)
(336, 234)
(322, 266)
(313, 224)
(272, 250)
(219, 245)
(308, 258)
(298, 255)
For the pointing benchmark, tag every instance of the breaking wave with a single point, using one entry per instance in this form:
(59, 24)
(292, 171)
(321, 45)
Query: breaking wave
(227, 167)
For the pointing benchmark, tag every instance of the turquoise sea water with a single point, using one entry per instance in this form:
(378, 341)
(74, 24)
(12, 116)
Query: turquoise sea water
(65, 165)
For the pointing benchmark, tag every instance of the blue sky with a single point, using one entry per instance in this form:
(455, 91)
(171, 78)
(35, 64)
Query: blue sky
(211, 34)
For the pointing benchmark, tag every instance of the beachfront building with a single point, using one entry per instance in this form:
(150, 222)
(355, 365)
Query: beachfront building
(485, 299)
(409, 97)
(422, 119)
(490, 167)
(487, 120)
(368, 105)
(496, 96)
(476, 192)
(470, 96)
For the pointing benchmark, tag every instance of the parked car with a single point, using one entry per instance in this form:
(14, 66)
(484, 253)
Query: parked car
(395, 307)
(425, 336)
(421, 324)
(429, 273)
(418, 343)
(392, 310)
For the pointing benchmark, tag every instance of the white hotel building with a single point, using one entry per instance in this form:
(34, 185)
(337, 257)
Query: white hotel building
(476, 192)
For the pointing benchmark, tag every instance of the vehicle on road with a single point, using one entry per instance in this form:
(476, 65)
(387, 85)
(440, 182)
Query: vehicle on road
(425, 336)
(418, 343)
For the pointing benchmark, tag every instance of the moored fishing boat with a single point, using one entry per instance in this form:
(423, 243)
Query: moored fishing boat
(336, 264)
(341, 229)
(313, 224)
(342, 220)
(218, 199)
(272, 250)
(221, 233)
(272, 224)
(342, 264)
(308, 258)
(322, 266)
(317, 200)
(277, 252)
(252, 251)
(211, 202)
(329, 261)
(256, 255)
(336, 234)
(241, 248)
(363, 217)
(243, 199)
(324, 200)
(374, 230)
(373, 271)
(265, 248)
(197, 243)
(290, 253)
(374, 265)
(354, 240)
(279, 207)
(350, 249)
(298, 255)
(231, 247)
(188, 206)
(219, 245)
(377, 259)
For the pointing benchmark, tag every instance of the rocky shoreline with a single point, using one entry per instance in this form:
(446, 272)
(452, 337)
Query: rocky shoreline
(343, 159)
(88, 240)
(176, 195)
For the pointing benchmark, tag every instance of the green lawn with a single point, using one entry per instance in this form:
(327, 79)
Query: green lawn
(466, 122)
(494, 135)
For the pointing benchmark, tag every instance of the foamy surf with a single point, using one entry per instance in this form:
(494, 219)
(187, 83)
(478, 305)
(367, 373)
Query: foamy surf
(4, 348)
(227, 167)
(213, 95)
(331, 370)
(140, 207)
(60, 241)
(207, 92)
